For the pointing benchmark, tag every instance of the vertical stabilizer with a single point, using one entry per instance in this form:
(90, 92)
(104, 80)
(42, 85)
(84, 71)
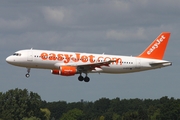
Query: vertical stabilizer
(157, 48)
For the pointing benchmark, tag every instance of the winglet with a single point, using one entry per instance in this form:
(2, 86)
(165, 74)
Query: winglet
(157, 48)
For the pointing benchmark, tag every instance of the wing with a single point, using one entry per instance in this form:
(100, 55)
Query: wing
(92, 66)
(85, 68)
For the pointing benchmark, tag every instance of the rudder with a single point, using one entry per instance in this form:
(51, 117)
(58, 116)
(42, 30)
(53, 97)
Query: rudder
(157, 48)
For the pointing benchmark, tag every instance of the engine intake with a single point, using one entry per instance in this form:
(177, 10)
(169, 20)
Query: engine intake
(65, 71)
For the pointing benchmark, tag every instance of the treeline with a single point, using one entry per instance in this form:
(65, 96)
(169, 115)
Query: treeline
(20, 104)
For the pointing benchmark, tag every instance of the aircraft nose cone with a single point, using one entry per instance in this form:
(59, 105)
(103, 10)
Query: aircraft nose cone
(9, 60)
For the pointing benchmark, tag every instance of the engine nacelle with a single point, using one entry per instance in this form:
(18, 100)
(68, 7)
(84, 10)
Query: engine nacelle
(65, 71)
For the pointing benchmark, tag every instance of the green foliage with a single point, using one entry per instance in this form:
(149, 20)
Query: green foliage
(116, 116)
(130, 115)
(124, 109)
(20, 104)
(17, 104)
(102, 118)
(46, 112)
(56, 108)
(155, 115)
(31, 118)
(74, 114)
(170, 109)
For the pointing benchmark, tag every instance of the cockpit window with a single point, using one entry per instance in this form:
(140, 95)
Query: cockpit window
(17, 54)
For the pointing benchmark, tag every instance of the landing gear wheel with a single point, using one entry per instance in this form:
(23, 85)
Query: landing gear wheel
(80, 78)
(86, 79)
(27, 75)
(28, 71)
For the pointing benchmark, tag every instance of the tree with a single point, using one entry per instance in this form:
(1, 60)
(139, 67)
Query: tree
(130, 115)
(102, 118)
(31, 118)
(142, 113)
(47, 113)
(116, 117)
(101, 106)
(170, 108)
(56, 108)
(74, 114)
(17, 104)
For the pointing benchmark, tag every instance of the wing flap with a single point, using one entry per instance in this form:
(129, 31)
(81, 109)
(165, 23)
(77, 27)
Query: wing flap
(98, 64)
(94, 66)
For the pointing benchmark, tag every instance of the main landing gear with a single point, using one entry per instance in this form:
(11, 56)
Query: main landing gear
(28, 71)
(81, 78)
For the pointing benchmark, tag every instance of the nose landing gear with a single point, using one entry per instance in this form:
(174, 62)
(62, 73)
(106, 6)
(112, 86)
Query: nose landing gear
(28, 71)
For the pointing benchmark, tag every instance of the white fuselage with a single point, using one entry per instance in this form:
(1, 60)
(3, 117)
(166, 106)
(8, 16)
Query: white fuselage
(44, 59)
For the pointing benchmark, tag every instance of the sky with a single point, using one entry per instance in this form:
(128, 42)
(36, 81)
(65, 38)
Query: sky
(119, 27)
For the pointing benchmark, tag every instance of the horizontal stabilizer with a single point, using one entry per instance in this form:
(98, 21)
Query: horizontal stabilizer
(163, 64)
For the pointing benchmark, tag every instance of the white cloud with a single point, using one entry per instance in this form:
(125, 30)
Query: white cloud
(20, 23)
(56, 15)
(121, 5)
(126, 34)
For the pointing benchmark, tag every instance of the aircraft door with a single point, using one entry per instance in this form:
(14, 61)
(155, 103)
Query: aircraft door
(138, 63)
(30, 55)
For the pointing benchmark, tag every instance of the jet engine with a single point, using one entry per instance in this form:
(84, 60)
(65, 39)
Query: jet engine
(65, 71)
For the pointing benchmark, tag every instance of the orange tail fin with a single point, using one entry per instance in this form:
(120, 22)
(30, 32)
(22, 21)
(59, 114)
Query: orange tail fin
(157, 48)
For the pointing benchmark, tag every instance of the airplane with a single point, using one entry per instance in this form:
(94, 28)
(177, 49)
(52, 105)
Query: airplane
(71, 63)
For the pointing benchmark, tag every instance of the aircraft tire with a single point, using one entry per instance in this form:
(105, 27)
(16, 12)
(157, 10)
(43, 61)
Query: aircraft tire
(27, 75)
(86, 79)
(80, 78)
